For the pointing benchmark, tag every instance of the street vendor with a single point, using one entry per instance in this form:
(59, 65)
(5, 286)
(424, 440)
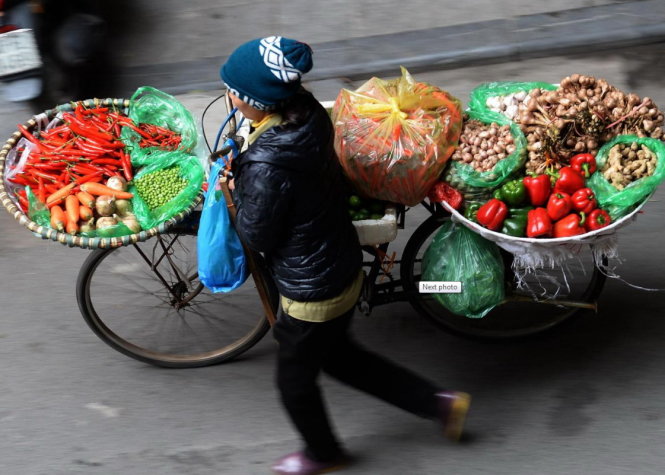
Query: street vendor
(291, 205)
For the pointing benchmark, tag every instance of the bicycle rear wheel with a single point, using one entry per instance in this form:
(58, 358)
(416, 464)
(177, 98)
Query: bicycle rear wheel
(146, 301)
(552, 296)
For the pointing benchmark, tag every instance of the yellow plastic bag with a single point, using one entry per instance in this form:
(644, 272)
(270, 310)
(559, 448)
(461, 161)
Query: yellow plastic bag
(393, 138)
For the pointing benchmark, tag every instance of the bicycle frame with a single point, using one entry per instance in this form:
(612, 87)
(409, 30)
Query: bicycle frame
(375, 292)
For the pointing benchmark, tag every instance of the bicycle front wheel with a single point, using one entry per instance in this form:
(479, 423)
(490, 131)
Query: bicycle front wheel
(544, 300)
(146, 301)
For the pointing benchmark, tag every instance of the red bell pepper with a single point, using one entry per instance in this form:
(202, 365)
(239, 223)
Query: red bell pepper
(598, 218)
(584, 200)
(492, 214)
(538, 188)
(442, 191)
(558, 205)
(568, 180)
(571, 225)
(584, 164)
(538, 223)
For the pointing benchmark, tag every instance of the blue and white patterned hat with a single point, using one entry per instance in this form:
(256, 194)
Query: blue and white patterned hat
(266, 71)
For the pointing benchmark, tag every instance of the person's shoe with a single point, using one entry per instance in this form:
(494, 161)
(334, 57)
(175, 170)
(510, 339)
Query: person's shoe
(300, 464)
(453, 406)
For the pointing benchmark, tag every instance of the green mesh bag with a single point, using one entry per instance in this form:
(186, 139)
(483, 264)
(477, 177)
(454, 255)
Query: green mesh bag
(479, 96)
(469, 178)
(621, 202)
(188, 167)
(457, 254)
(152, 106)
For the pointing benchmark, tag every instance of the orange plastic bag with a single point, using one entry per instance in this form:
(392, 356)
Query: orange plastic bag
(393, 138)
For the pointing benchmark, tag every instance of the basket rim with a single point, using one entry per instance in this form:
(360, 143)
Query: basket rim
(581, 238)
(72, 240)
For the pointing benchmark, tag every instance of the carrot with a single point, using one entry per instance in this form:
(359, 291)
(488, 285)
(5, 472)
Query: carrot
(98, 189)
(58, 218)
(72, 227)
(61, 193)
(58, 202)
(85, 213)
(72, 206)
(86, 199)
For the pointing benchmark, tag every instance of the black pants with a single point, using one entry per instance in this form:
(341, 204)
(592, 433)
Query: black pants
(307, 348)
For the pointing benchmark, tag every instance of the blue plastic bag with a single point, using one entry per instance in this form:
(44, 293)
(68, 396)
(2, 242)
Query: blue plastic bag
(221, 258)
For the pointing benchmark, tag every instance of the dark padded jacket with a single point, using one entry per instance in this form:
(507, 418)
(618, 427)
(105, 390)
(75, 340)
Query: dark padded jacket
(292, 206)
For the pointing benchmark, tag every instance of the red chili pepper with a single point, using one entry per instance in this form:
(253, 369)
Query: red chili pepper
(19, 180)
(41, 192)
(584, 200)
(39, 146)
(492, 214)
(442, 191)
(139, 131)
(49, 166)
(78, 111)
(571, 225)
(584, 164)
(104, 144)
(41, 174)
(100, 111)
(538, 223)
(87, 130)
(568, 180)
(23, 201)
(538, 188)
(598, 218)
(107, 161)
(127, 167)
(96, 177)
(84, 168)
(558, 205)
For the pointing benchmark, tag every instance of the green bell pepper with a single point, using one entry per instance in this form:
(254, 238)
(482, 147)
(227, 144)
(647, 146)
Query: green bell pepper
(515, 223)
(471, 209)
(514, 226)
(522, 211)
(513, 192)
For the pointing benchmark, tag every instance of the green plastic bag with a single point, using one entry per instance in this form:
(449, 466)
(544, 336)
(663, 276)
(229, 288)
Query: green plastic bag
(480, 95)
(189, 168)
(116, 230)
(152, 106)
(457, 254)
(37, 211)
(465, 174)
(621, 202)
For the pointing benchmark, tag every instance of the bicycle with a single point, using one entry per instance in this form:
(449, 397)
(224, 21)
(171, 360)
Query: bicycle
(191, 326)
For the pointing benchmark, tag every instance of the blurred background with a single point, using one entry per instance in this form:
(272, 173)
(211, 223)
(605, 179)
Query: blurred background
(585, 400)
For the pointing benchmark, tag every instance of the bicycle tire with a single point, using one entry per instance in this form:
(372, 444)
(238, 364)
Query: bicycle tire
(209, 328)
(509, 320)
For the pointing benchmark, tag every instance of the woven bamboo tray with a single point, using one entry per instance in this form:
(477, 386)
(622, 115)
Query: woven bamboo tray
(69, 239)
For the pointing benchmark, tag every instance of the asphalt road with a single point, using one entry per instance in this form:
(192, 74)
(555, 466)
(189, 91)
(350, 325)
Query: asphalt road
(585, 400)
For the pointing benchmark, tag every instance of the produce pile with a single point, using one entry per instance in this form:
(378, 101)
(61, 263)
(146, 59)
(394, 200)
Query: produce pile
(591, 154)
(361, 208)
(393, 138)
(76, 174)
(579, 116)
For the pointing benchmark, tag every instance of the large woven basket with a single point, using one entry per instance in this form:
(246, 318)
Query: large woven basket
(69, 239)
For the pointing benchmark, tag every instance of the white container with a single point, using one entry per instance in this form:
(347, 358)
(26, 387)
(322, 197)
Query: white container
(372, 232)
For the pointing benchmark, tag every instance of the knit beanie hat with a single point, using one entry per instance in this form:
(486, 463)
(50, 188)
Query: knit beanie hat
(266, 71)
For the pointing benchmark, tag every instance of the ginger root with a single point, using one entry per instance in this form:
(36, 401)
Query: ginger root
(627, 163)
